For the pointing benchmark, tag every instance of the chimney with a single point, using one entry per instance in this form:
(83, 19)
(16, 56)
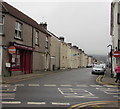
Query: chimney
(61, 38)
(44, 25)
(70, 44)
(75, 46)
(80, 49)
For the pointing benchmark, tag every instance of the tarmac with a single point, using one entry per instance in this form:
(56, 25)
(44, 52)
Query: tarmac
(102, 79)
(105, 79)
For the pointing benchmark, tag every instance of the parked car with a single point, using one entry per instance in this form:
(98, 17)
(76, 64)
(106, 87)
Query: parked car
(98, 69)
(104, 66)
(89, 66)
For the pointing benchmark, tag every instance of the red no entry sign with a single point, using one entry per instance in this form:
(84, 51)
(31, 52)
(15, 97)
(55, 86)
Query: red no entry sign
(12, 50)
(116, 54)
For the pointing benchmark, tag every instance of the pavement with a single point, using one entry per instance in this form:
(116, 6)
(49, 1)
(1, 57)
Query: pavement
(107, 79)
(103, 79)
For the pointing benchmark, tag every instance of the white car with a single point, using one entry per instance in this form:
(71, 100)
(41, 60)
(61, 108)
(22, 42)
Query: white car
(98, 69)
(104, 66)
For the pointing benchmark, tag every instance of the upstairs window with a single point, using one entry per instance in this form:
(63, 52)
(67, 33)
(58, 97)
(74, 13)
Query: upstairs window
(37, 38)
(118, 18)
(1, 25)
(18, 30)
(46, 42)
(118, 45)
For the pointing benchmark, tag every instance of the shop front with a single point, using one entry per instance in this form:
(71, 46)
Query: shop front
(21, 61)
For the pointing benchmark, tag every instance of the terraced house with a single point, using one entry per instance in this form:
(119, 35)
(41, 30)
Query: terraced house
(30, 39)
(28, 47)
(115, 30)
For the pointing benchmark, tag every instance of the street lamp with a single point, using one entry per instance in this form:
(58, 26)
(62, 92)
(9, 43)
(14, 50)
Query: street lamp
(111, 58)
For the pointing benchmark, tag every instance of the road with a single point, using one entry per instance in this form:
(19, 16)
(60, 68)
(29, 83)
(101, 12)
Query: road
(72, 89)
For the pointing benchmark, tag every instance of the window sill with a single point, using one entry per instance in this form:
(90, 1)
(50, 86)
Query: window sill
(2, 34)
(18, 39)
(36, 44)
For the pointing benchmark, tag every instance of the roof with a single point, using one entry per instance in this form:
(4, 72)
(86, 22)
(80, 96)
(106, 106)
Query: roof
(6, 8)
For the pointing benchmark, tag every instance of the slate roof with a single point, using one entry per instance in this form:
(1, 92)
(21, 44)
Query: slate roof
(6, 8)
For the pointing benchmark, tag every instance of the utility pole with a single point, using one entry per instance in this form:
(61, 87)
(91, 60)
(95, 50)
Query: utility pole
(111, 59)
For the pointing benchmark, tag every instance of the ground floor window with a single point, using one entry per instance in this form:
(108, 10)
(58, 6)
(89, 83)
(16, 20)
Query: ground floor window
(16, 61)
(21, 61)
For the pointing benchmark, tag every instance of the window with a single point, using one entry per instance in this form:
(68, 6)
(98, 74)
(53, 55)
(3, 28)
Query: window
(118, 45)
(118, 18)
(18, 30)
(37, 38)
(1, 25)
(46, 42)
(16, 63)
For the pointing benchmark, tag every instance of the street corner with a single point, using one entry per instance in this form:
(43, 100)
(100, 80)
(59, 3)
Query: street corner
(104, 80)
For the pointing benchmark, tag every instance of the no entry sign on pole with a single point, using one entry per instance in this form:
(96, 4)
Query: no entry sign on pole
(12, 50)
(116, 54)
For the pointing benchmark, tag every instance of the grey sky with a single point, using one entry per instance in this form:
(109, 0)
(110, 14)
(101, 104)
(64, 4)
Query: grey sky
(85, 24)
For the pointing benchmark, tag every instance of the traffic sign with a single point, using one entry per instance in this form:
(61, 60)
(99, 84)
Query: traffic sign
(116, 54)
(12, 50)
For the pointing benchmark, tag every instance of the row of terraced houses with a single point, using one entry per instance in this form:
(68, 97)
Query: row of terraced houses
(37, 49)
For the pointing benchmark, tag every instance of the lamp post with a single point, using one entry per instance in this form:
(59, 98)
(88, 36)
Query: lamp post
(111, 58)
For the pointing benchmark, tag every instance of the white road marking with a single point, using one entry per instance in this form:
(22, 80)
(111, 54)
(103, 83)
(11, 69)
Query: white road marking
(103, 89)
(81, 85)
(95, 86)
(60, 91)
(19, 85)
(66, 85)
(110, 86)
(75, 93)
(48, 85)
(11, 102)
(112, 92)
(36, 85)
(55, 103)
(116, 96)
(80, 97)
(39, 103)
(6, 85)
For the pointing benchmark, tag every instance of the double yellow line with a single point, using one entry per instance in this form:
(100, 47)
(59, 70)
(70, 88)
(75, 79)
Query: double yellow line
(92, 103)
(99, 79)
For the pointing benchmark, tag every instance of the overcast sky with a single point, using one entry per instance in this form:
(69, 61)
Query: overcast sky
(84, 24)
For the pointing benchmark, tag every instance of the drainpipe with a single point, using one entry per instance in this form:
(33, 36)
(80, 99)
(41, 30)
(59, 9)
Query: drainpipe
(32, 46)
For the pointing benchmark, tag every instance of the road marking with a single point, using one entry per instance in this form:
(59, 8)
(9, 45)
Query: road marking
(39, 103)
(48, 85)
(6, 85)
(80, 97)
(99, 79)
(76, 93)
(103, 89)
(112, 92)
(55, 103)
(19, 85)
(11, 102)
(60, 91)
(85, 104)
(110, 86)
(66, 85)
(95, 85)
(36, 85)
(81, 85)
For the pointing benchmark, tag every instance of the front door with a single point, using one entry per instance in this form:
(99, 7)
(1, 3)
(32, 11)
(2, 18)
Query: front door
(27, 62)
